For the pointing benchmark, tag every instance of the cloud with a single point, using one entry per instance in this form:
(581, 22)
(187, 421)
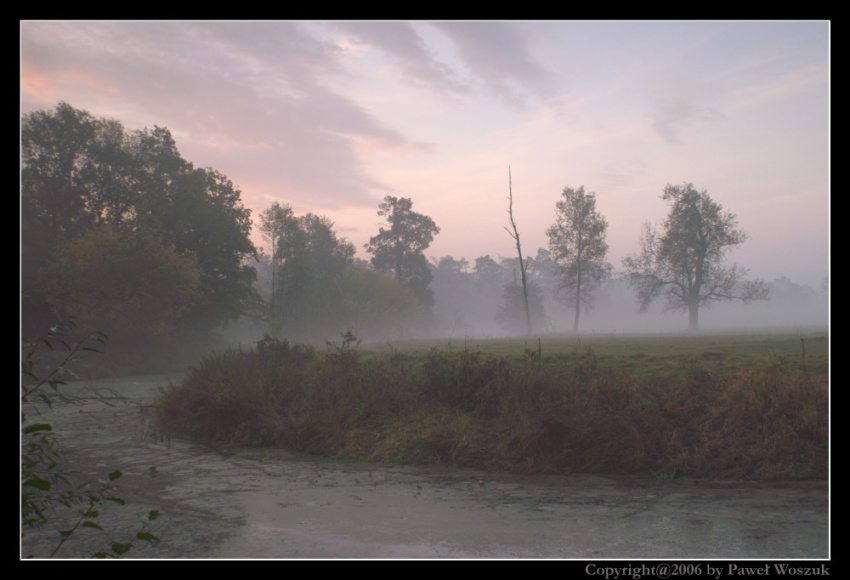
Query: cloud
(498, 55)
(409, 52)
(258, 91)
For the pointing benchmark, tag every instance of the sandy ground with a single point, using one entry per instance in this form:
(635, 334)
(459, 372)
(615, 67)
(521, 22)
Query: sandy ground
(258, 504)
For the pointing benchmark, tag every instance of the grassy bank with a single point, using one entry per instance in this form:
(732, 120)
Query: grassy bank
(708, 406)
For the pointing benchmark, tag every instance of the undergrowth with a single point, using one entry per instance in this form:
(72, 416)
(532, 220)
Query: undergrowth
(523, 414)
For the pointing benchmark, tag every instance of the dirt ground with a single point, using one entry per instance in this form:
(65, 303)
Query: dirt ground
(260, 504)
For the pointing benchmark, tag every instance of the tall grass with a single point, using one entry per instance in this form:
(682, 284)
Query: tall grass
(523, 413)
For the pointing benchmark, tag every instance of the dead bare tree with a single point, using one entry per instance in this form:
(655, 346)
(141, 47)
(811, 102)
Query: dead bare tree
(522, 263)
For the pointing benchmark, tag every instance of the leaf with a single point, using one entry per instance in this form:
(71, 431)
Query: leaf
(121, 547)
(90, 349)
(54, 384)
(38, 483)
(115, 475)
(38, 427)
(148, 537)
(91, 513)
(65, 533)
(91, 524)
(117, 500)
(45, 398)
(152, 515)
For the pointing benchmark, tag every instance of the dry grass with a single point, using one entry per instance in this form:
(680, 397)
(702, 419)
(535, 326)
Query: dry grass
(763, 420)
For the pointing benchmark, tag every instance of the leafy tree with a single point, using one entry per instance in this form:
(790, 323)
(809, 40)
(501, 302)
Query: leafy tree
(79, 172)
(200, 212)
(123, 283)
(488, 274)
(276, 222)
(326, 264)
(683, 261)
(577, 245)
(377, 305)
(309, 266)
(399, 247)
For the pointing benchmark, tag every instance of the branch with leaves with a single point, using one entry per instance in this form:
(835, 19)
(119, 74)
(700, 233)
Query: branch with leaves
(43, 483)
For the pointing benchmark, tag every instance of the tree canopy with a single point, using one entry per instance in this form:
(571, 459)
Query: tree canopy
(399, 246)
(683, 260)
(79, 173)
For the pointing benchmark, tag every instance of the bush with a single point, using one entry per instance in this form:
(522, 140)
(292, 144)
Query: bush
(517, 414)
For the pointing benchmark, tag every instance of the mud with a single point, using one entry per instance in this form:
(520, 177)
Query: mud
(257, 503)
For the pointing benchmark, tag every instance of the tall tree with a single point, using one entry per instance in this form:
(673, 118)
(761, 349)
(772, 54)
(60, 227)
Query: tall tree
(328, 260)
(577, 245)
(399, 246)
(684, 259)
(79, 172)
(273, 226)
(514, 233)
(309, 266)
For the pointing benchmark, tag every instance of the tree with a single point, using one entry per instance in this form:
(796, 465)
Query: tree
(309, 265)
(377, 305)
(327, 261)
(684, 260)
(578, 247)
(488, 275)
(80, 172)
(510, 314)
(522, 264)
(274, 223)
(123, 283)
(399, 247)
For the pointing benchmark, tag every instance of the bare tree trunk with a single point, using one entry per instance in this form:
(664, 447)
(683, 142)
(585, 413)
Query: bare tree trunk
(522, 264)
(578, 304)
(693, 314)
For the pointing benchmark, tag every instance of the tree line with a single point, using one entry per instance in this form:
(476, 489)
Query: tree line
(121, 231)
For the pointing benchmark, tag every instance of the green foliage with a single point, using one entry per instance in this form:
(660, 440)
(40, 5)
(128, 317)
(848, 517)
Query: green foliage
(45, 485)
(399, 247)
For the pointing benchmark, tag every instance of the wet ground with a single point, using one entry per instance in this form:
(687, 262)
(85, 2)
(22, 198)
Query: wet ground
(254, 503)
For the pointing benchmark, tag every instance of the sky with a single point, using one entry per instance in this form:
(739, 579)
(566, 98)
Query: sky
(331, 116)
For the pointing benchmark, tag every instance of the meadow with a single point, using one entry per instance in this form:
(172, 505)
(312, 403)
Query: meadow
(752, 406)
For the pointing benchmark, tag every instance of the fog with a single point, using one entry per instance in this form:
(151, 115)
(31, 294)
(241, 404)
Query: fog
(474, 304)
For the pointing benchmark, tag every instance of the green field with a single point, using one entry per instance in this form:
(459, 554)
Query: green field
(647, 356)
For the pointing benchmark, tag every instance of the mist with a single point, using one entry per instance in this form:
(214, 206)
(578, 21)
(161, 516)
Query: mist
(472, 304)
